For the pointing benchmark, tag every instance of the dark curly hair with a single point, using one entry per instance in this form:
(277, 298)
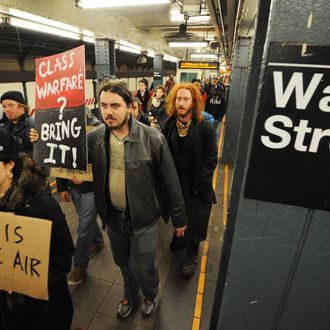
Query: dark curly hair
(29, 178)
(118, 87)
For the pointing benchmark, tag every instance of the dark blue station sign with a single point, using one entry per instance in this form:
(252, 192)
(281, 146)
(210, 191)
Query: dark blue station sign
(290, 156)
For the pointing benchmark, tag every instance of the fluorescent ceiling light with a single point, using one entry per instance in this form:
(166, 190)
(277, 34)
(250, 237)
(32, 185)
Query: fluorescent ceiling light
(177, 17)
(170, 58)
(88, 33)
(185, 44)
(42, 20)
(41, 24)
(43, 28)
(151, 53)
(129, 49)
(199, 19)
(203, 56)
(129, 44)
(86, 4)
(88, 39)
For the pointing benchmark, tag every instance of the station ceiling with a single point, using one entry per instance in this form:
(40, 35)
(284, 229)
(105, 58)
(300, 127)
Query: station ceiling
(228, 19)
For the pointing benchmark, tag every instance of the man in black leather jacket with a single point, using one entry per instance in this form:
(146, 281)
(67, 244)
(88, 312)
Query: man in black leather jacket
(129, 161)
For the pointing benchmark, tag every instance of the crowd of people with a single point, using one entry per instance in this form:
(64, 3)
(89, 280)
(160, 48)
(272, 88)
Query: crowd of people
(153, 155)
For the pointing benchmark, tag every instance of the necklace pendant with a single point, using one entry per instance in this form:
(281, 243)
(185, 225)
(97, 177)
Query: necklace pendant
(120, 143)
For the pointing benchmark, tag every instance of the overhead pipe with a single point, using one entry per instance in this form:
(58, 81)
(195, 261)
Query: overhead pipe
(238, 15)
(223, 38)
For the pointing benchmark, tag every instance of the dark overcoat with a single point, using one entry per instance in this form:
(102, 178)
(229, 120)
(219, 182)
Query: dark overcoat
(160, 114)
(20, 312)
(21, 130)
(195, 160)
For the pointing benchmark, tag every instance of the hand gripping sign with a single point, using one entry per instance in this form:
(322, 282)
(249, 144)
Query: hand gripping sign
(60, 110)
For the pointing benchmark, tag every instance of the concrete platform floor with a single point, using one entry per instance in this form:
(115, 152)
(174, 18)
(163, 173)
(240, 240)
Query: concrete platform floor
(95, 301)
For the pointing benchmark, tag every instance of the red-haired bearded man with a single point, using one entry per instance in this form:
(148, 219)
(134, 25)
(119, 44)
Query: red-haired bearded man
(193, 146)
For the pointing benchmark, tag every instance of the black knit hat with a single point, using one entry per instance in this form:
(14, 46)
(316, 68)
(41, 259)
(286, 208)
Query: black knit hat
(8, 146)
(13, 95)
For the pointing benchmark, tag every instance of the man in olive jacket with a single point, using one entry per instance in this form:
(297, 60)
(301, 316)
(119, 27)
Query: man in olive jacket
(129, 160)
(192, 142)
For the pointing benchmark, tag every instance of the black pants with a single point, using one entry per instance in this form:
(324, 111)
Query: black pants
(136, 257)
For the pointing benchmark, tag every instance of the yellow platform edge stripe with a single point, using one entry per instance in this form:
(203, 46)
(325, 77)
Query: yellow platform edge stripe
(202, 273)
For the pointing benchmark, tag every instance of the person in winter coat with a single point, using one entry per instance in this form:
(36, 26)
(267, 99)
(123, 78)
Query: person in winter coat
(192, 143)
(215, 105)
(90, 238)
(209, 85)
(198, 83)
(169, 84)
(18, 122)
(22, 184)
(128, 160)
(143, 94)
(156, 107)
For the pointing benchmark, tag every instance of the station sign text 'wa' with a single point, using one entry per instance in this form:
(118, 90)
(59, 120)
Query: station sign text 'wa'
(290, 156)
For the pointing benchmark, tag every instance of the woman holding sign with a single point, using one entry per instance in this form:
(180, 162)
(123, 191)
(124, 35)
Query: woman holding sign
(21, 192)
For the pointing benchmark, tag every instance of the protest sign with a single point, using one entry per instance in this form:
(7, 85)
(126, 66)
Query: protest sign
(24, 260)
(60, 110)
(66, 173)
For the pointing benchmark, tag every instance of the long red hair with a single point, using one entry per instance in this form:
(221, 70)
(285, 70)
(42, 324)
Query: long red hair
(198, 104)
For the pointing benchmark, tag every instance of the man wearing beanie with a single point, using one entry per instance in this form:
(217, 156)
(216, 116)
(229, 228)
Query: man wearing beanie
(19, 122)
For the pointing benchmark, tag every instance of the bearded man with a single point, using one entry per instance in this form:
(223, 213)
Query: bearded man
(193, 146)
(18, 121)
(128, 160)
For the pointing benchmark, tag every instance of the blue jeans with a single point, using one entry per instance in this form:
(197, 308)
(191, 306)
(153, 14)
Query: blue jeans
(89, 232)
(136, 257)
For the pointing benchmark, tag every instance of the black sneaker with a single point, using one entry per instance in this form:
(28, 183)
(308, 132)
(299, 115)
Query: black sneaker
(149, 307)
(188, 267)
(124, 308)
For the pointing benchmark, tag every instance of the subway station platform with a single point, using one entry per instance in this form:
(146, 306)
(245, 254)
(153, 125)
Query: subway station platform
(184, 303)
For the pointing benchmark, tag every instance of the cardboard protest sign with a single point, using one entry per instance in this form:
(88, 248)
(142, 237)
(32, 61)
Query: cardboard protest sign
(60, 110)
(66, 173)
(24, 260)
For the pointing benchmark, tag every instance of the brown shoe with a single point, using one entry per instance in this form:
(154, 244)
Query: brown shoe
(77, 276)
(95, 249)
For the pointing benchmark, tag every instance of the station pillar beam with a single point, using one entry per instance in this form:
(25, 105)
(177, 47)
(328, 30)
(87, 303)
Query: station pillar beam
(236, 97)
(158, 70)
(105, 58)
